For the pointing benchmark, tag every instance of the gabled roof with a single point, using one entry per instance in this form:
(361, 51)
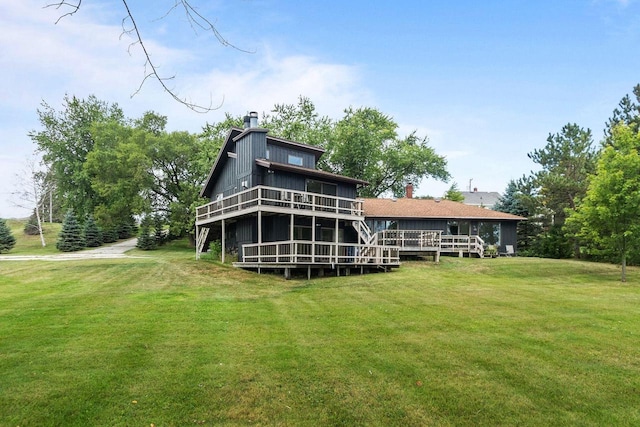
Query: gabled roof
(236, 134)
(480, 198)
(316, 173)
(432, 209)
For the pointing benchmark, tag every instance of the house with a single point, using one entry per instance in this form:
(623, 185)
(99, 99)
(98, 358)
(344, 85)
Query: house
(484, 199)
(271, 206)
(422, 226)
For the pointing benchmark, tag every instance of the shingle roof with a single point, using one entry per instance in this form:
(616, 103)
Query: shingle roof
(424, 208)
(481, 198)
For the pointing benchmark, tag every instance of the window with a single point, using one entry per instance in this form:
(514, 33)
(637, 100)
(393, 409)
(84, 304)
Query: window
(267, 155)
(320, 187)
(490, 233)
(458, 228)
(294, 160)
(219, 196)
(301, 232)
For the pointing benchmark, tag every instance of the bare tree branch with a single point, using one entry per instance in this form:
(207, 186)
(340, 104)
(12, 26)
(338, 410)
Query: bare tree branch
(130, 28)
(74, 8)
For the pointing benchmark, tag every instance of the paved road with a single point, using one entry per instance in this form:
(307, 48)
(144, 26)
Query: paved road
(117, 250)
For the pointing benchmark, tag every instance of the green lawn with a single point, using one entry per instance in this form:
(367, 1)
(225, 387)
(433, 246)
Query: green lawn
(32, 245)
(173, 342)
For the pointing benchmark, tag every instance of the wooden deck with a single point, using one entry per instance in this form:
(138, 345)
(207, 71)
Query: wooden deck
(417, 242)
(301, 252)
(318, 256)
(278, 200)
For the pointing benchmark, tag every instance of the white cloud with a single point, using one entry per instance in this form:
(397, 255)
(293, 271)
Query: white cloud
(81, 56)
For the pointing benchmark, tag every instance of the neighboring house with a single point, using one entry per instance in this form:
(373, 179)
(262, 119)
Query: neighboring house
(271, 206)
(276, 211)
(439, 226)
(484, 199)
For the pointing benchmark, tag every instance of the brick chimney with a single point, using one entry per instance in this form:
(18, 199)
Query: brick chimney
(409, 191)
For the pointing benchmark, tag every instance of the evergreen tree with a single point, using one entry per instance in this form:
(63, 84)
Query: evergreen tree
(124, 230)
(70, 238)
(158, 225)
(7, 241)
(519, 199)
(453, 194)
(146, 240)
(628, 113)
(110, 235)
(92, 233)
(32, 228)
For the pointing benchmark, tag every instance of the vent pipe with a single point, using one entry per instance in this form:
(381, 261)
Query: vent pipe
(253, 119)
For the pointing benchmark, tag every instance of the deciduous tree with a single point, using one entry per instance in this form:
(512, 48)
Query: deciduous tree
(608, 218)
(366, 145)
(65, 140)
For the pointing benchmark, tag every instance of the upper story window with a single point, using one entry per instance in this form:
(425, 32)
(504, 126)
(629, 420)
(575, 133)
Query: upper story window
(267, 155)
(320, 187)
(294, 160)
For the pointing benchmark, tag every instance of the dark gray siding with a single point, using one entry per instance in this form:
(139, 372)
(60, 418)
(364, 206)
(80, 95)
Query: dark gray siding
(422, 224)
(250, 147)
(280, 179)
(280, 154)
(276, 228)
(227, 183)
(508, 235)
(347, 190)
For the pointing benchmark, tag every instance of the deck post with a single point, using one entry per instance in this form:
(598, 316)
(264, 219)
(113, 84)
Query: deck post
(336, 241)
(197, 242)
(291, 227)
(224, 246)
(259, 227)
(287, 273)
(313, 239)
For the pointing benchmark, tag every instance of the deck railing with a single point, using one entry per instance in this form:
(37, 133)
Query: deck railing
(306, 252)
(410, 239)
(427, 240)
(470, 244)
(280, 198)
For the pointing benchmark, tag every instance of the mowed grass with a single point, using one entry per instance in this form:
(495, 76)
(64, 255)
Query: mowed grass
(32, 245)
(170, 341)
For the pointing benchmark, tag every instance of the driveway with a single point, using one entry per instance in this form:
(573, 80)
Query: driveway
(117, 250)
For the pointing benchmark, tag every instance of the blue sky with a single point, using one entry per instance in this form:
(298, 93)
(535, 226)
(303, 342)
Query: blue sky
(485, 81)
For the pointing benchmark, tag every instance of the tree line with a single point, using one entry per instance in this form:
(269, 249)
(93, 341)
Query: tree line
(119, 172)
(584, 201)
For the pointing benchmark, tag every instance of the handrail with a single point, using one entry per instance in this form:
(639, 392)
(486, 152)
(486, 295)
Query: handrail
(308, 252)
(431, 240)
(279, 197)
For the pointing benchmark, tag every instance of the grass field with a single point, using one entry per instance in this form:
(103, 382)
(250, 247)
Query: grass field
(168, 341)
(32, 245)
